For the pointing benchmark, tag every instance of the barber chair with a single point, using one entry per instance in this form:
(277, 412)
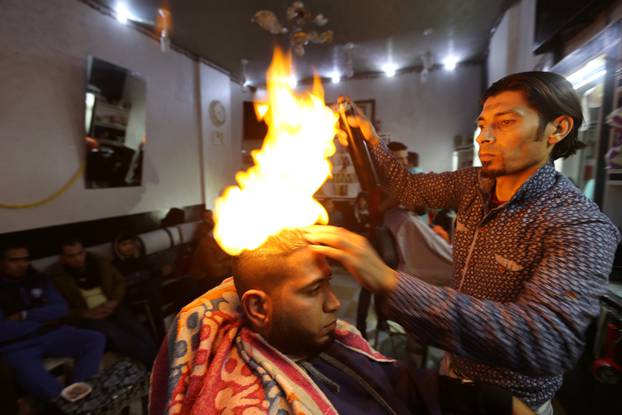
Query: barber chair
(607, 365)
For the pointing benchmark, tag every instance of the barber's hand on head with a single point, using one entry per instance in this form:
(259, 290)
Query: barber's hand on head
(355, 254)
(359, 120)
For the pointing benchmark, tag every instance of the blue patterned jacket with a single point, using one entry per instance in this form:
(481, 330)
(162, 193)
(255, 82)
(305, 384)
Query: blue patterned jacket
(527, 276)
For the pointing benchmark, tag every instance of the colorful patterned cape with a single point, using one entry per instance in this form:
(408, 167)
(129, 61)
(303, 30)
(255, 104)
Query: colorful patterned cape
(211, 363)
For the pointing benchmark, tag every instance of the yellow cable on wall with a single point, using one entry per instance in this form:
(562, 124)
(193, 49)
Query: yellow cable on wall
(49, 198)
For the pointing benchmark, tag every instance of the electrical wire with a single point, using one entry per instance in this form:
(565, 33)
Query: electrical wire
(49, 198)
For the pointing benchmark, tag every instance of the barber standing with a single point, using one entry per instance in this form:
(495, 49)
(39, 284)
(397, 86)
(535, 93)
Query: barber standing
(532, 255)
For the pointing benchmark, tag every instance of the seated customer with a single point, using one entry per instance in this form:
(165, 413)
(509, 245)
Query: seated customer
(30, 309)
(210, 264)
(288, 353)
(95, 290)
(143, 284)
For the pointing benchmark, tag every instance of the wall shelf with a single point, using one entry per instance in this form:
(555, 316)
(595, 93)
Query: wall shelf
(614, 177)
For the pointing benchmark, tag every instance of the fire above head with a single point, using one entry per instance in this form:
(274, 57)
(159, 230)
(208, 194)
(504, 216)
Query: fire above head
(276, 193)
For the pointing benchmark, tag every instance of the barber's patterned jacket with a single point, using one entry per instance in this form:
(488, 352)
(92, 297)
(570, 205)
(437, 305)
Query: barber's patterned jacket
(527, 276)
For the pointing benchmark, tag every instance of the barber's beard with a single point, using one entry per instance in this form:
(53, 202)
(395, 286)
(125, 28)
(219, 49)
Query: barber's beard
(491, 172)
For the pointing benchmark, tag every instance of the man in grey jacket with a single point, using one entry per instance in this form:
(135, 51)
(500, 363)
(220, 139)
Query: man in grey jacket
(531, 255)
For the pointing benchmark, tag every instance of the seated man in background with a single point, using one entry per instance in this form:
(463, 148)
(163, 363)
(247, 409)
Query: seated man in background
(30, 310)
(287, 352)
(413, 162)
(94, 290)
(210, 264)
(143, 284)
(422, 251)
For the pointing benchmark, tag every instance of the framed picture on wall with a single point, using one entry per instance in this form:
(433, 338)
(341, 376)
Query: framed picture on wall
(368, 106)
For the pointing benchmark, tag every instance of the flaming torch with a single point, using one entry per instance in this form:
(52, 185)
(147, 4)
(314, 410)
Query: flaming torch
(276, 193)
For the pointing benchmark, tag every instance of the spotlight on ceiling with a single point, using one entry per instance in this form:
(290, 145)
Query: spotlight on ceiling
(293, 81)
(122, 12)
(389, 70)
(335, 77)
(588, 73)
(450, 63)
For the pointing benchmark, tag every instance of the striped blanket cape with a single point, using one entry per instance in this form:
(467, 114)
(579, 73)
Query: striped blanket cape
(211, 363)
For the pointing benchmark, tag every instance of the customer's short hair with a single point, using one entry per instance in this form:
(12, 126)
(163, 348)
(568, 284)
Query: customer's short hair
(397, 146)
(68, 241)
(551, 95)
(11, 245)
(265, 267)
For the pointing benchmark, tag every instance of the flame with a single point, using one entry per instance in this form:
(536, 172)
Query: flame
(276, 193)
(261, 109)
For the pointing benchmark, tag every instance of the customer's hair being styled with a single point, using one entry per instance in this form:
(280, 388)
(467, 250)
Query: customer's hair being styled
(552, 96)
(266, 267)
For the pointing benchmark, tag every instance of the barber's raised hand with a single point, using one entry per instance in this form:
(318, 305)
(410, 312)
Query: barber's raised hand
(359, 120)
(355, 253)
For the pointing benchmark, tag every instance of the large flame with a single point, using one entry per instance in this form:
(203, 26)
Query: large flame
(277, 191)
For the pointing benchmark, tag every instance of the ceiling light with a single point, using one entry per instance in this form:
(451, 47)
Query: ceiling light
(349, 64)
(293, 82)
(335, 77)
(389, 69)
(590, 72)
(450, 63)
(122, 12)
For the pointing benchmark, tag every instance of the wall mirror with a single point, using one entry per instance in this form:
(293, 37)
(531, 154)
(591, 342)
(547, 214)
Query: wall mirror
(114, 125)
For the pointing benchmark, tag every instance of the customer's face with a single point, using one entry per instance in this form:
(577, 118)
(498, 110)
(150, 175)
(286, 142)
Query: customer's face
(304, 306)
(74, 256)
(127, 248)
(508, 139)
(15, 263)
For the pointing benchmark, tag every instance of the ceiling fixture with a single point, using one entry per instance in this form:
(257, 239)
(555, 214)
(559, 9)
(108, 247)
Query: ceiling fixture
(349, 63)
(389, 70)
(427, 62)
(293, 81)
(163, 23)
(450, 63)
(122, 12)
(335, 77)
(588, 73)
(245, 82)
(302, 28)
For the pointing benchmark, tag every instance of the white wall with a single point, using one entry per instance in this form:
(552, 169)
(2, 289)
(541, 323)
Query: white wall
(221, 145)
(424, 116)
(511, 45)
(43, 51)
(238, 96)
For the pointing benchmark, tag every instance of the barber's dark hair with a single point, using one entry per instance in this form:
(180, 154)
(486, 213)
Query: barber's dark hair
(552, 96)
(397, 146)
